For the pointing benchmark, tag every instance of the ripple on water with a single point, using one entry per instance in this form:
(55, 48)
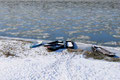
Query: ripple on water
(79, 21)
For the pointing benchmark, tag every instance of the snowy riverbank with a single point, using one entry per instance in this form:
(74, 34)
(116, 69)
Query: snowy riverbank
(38, 64)
(65, 0)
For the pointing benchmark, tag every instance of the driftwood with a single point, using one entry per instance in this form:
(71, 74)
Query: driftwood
(102, 51)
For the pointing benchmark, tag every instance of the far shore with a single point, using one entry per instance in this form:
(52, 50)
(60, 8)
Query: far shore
(68, 0)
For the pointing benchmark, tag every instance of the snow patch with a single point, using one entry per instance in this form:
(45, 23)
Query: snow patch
(38, 64)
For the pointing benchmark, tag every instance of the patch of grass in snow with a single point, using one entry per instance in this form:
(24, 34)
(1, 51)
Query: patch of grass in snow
(12, 48)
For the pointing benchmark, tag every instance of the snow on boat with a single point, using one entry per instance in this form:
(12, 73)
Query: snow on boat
(53, 43)
(69, 44)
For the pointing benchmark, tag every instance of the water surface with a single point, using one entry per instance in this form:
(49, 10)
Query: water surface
(89, 22)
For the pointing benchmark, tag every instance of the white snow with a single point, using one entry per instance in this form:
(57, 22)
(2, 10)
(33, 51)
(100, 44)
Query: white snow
(38, 64)
(69, 44)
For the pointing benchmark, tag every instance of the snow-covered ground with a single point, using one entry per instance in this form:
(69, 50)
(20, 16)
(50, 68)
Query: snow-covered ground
(19, 62)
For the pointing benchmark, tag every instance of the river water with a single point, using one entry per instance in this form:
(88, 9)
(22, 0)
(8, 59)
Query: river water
(88, 22)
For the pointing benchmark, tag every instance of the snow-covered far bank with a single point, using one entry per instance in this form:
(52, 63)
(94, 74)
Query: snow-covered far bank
(19, 62)
(65, 0)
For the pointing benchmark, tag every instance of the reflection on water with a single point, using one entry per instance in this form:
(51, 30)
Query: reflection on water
(88, 22)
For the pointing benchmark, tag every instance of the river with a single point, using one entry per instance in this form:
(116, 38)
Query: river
(87, 22)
